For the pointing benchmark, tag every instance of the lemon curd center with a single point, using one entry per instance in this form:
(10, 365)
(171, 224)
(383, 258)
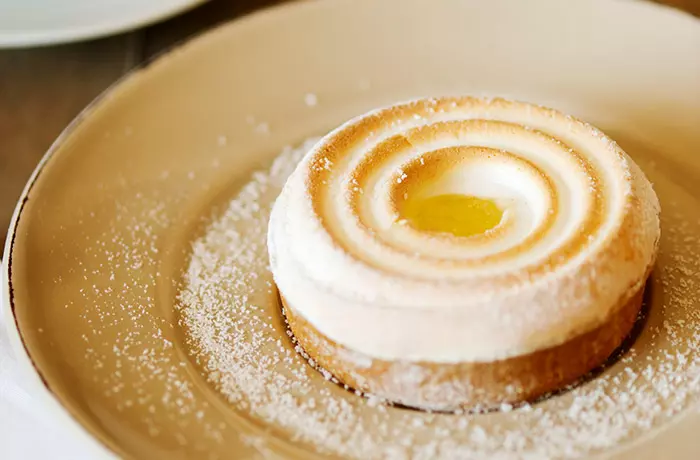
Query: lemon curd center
(460, 215)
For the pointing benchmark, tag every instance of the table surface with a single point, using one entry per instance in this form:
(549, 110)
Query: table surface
(43, 89)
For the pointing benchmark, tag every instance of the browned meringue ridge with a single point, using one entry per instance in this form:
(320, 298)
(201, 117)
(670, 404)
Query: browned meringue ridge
(444, 322)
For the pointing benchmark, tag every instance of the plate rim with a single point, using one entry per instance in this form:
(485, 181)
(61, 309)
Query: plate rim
(28, 369)
(8, 320)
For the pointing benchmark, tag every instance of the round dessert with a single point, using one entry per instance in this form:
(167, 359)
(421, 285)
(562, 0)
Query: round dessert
(463, 253)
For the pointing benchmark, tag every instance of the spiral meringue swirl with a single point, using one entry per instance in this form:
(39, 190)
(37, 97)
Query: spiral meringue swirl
(579, 231)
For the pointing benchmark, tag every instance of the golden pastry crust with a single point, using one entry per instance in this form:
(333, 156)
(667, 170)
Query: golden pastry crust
(469, 385)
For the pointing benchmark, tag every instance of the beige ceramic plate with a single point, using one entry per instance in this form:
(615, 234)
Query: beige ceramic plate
(140, 290)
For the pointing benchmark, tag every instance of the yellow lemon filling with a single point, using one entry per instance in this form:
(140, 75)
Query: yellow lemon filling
(460, 215)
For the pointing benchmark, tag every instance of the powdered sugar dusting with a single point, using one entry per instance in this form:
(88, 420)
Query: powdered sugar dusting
(133, 368)
(229, 310)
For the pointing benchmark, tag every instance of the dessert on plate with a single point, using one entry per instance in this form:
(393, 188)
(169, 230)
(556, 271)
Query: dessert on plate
(461, 253)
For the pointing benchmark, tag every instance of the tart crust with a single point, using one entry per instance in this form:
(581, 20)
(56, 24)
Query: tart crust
(470, 385)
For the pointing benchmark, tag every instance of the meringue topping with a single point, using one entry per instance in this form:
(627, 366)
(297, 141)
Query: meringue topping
(578, 231)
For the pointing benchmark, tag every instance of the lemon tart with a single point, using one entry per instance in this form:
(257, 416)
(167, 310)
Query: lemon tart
(461, 253)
